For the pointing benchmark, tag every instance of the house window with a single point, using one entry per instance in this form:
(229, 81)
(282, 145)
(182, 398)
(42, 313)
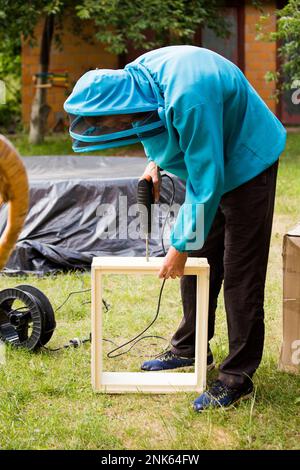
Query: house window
(227, 47)
(231, 47)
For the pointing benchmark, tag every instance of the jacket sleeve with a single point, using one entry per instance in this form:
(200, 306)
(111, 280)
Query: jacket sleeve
(200, 133)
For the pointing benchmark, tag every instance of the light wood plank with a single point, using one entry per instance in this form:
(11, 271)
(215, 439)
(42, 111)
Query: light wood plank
(118, 264)
(148, 382)
(202, 301)
(96, 343)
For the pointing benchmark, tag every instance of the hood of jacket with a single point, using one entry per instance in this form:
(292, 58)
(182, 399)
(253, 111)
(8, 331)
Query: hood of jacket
(103, 92)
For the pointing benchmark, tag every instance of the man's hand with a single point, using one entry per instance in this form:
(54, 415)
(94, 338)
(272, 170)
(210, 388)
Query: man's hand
(173, 265)
(152, 173)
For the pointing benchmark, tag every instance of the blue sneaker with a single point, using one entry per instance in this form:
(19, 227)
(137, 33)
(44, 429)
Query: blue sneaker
(169, 360)
(220, 395)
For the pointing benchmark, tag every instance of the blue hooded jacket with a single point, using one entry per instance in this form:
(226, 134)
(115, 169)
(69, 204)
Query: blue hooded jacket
(218, 133)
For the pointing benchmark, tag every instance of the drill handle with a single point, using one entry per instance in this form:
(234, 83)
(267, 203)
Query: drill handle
(145, 199)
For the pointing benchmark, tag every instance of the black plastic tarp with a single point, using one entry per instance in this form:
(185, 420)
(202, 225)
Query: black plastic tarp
(65, 224)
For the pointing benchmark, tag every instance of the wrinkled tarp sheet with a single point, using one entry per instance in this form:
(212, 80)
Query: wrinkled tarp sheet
(62, 227)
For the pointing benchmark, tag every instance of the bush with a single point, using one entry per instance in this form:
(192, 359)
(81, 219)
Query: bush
(10, 74)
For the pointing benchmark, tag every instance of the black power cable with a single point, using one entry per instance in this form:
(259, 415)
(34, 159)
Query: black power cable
(140, 336)
(75, 342)
(106, 305)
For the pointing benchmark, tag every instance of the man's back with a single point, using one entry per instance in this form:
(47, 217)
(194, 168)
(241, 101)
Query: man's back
(190, 77)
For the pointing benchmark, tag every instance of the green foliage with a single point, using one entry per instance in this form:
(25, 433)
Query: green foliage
(288, 36)
(15, 18)
(10, 74)
(18, 19)
(151, 23)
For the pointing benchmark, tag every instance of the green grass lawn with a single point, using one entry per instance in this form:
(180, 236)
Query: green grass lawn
(46, 399)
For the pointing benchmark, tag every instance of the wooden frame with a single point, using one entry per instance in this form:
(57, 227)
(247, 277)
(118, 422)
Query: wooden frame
(149, 382)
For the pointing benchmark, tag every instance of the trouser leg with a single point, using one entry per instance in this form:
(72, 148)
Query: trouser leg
(248, 212)
(183, 341)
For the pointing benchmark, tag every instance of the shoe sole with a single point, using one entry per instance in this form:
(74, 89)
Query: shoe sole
(208, 369)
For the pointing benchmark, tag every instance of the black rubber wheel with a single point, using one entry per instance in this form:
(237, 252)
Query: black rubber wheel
(49, 323)
(21, 326)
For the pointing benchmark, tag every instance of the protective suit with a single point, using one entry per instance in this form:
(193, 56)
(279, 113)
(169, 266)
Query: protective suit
(204, 123)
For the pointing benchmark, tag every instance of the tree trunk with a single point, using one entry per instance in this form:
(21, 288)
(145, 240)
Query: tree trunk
(40, 108)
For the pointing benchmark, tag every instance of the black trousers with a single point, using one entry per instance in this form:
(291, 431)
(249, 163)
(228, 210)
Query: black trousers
(237, 249)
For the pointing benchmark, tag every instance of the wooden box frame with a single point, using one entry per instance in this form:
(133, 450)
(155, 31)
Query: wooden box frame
(148, 382)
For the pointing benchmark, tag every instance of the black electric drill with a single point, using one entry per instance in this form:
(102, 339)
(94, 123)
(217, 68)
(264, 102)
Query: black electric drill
(145, 199)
